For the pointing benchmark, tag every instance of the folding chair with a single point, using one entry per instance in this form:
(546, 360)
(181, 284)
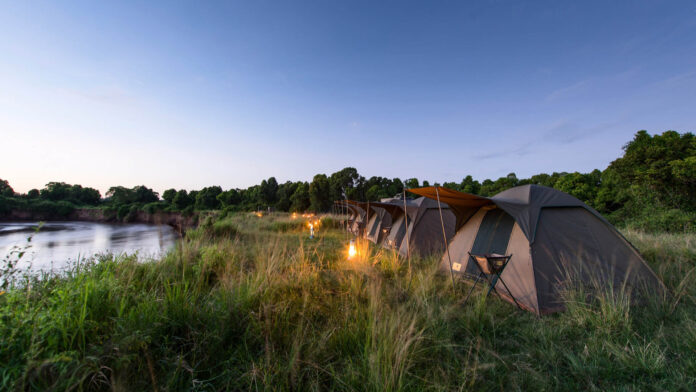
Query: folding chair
(490, 267)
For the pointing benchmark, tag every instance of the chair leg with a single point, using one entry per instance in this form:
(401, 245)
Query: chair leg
(492, 283)
(472, 288)
(510, 292)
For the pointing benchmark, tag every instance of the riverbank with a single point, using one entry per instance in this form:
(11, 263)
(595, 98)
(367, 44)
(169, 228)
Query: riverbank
(250, 303)
(179, 221)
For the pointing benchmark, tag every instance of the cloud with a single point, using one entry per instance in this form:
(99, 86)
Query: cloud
(566, 132)
(568, 91)
(560, 133)
(519, 151)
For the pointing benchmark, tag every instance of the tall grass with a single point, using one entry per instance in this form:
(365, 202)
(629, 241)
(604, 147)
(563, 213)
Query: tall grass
(249, 303)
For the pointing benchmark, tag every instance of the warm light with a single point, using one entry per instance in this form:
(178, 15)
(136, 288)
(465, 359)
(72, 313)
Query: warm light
(259, 214)
(351, 250)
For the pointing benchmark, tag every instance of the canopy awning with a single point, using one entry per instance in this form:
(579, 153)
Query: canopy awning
(463, 205)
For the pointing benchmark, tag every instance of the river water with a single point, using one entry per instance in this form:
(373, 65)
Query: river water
(57, 244)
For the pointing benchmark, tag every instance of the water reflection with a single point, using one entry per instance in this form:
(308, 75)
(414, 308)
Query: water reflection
(58, 243)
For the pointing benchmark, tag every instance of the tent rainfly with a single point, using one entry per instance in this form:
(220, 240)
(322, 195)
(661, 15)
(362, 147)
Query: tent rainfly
(554, 239)
(357, 226)
(420, 224)
(351, 211)
(377, 220)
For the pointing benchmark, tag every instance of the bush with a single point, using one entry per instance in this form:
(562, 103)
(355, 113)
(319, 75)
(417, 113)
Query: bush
(122, 212)
(671, 221)
(224, 228)
(157, 206)
(132, 213)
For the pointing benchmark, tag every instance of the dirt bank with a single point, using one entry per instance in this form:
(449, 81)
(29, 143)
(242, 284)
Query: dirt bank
(175, 219)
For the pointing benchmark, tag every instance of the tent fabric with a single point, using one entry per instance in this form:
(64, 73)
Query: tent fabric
(523, 203)
(421, 225)
(377, 225)
(554, 239)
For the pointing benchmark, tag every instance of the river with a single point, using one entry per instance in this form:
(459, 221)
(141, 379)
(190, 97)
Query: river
(57, 244)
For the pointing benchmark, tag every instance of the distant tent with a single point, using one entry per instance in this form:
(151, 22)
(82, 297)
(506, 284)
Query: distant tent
(420, 224)
(360, 219)
(551, 236)
(378, 221)
(349, 210)
(354, 214)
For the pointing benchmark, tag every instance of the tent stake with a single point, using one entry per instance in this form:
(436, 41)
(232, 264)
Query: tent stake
(444, 237)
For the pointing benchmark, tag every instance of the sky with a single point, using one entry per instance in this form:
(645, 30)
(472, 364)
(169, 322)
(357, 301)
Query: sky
(188, 94)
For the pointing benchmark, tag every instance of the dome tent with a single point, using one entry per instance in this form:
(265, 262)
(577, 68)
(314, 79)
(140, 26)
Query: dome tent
(551, 235)
(377, 219)
(420, 224)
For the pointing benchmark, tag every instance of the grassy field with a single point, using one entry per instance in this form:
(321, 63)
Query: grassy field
(249, 303)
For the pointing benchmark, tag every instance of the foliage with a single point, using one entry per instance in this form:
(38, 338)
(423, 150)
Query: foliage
(206, 198)
(652, 186)
(319, 194)
(120, 195)
(5, 188)
(76, 194)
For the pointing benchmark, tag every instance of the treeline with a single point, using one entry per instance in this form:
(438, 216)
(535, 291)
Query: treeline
(651, 187)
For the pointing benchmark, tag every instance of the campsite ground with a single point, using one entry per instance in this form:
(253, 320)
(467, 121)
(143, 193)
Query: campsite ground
(249, 303)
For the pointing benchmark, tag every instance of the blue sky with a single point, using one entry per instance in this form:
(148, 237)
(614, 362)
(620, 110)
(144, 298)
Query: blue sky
(191, 94)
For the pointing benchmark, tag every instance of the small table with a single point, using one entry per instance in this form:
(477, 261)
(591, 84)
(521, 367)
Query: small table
(490, 267)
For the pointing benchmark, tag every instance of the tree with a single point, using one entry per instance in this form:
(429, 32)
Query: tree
(182, 200)
(583, 186)
(268, 191)
(412, 183)
(300, 200)
(373, 194)
(285, 192)
(229, 198)
(654, 170)
(343, 183)
(145, 195)
(490, 188)
(5, 188)
(169, 195)
(469, 185)
(206, 198)
(33, 193)
(319, 194)
(55, 191)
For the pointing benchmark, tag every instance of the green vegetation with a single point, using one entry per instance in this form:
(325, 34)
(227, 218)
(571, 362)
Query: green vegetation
(249, 303)
(652, 187)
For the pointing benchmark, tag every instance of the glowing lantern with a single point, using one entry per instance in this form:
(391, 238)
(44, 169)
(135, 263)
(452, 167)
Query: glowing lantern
(311, 230)
(351, 250)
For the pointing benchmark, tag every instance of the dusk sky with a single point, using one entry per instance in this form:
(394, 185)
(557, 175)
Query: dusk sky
(191, 94)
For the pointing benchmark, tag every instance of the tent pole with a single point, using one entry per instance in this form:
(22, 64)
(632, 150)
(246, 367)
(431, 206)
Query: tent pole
(408, 239)
(444, 237)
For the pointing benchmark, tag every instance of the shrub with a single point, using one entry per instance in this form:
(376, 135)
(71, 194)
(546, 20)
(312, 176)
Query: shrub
(122, 212)
(224, 228)
(157, 206)
(671, 221)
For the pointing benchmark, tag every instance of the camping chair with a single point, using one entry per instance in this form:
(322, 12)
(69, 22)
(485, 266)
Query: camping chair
(491, 266)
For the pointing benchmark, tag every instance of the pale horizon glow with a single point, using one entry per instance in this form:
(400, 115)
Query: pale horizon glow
(189, 95)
